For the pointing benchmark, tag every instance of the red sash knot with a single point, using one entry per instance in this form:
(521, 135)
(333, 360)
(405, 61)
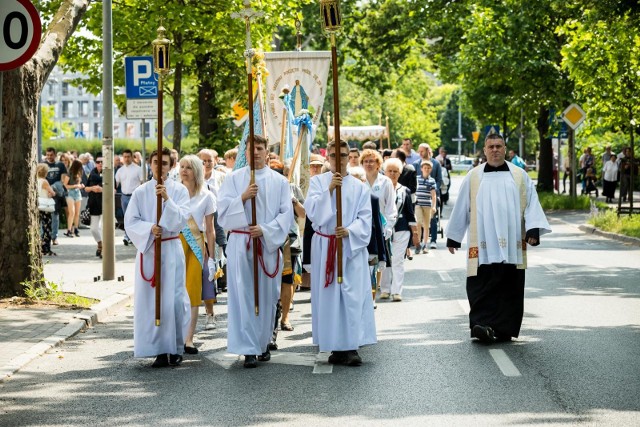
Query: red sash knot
(152, 280)
(260, 257)
(329, 272)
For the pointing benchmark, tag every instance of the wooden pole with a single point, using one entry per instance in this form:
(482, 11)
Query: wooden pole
(158, 242)
(336, 127)
(256, 296)
(283, 136)
(301, 137)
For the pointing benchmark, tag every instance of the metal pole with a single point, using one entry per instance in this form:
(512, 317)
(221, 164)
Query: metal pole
(521, 139)
(108, 211)
(459, 129)
(143, 163)
(572, 161)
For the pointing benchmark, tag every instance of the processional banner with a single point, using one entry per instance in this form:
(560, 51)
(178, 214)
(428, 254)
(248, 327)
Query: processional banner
(305, 73)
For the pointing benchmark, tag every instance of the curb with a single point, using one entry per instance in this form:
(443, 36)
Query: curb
(589, 229)
(80, 322)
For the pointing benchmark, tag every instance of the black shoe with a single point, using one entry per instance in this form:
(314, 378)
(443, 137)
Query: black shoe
(250, 361)
(484, 333)
(162, 361)
(265, 357)
(190, 350)
(175, 359)
(126, 242)
(68, 233)
(338, 358)
(502, 338)
(272, 346)
(353, 359)
(76, 232)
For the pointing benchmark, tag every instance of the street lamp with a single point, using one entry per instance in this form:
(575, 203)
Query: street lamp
(331, 19)
(161, 67)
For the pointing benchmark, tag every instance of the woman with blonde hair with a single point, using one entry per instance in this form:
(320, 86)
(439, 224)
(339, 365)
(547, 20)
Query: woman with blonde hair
(73, 183)
(197, 237)
(45, 190)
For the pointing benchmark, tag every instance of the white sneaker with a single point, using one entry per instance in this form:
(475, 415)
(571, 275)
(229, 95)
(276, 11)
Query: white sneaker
(433, 245)
(396, 297)
(211, 322)
(384, 295)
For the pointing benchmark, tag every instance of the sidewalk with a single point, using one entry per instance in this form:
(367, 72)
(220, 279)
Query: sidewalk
(26, 333)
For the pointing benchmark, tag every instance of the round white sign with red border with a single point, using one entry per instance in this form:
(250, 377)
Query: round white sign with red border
(20, 32)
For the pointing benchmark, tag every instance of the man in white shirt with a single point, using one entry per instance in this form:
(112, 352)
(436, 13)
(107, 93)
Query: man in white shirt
(128, 177)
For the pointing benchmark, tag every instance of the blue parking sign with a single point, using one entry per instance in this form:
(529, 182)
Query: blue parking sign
(140, 80)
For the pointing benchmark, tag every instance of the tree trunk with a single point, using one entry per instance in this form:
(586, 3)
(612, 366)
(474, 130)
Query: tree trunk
(545, 162)
(207, 114)
(21, 259)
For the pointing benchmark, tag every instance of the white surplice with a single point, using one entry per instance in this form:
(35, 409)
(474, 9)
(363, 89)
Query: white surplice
(247, 333)
(342, 314)
(498, 215)
(148, 339)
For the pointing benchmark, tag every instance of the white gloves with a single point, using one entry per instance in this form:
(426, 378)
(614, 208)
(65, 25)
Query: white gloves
(388, 232)
(212, 265)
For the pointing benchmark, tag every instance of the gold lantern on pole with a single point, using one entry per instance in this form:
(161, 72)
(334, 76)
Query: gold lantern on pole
(161, 67)
(332, 23)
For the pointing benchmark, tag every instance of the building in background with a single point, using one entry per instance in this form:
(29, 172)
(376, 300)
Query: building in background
(78, 114)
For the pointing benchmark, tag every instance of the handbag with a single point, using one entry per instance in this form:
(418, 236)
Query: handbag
(46, 204)
(85, 217)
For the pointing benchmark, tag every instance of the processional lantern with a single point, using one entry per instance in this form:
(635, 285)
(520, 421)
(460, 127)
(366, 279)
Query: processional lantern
(332, 23)
(161, 64)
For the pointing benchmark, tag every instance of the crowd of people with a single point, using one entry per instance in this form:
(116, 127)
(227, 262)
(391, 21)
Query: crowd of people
(212, 240)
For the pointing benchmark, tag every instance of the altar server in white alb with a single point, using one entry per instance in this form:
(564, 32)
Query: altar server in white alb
(165, 342)
(248, 334)
(498, 209)
(342, 313)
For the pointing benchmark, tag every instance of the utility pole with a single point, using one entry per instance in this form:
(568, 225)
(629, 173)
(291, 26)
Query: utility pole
(108, 210)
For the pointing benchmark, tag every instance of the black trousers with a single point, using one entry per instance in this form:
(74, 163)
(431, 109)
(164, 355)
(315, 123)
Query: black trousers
(496, 297)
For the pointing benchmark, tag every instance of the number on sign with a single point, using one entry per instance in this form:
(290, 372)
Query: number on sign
(20, 31)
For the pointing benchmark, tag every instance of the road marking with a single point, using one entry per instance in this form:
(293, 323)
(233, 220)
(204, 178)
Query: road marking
(504, 363)
(225, 360)
(444, 276)
(321, 365)
(552, 268)
(465, 305)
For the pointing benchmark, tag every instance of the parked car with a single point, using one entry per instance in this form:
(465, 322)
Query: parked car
(461, 164)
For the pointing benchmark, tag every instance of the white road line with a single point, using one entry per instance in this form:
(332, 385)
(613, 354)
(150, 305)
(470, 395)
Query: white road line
(444, 276)
(465, 305)
(552, 268)
(504, 363)
(226, 360)
(321, 365)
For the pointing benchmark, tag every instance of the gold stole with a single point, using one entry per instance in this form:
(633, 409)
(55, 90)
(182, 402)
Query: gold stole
(197, 234)
(474, 186)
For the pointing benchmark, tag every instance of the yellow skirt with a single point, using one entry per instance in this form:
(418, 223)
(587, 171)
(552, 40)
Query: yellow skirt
(194, 274)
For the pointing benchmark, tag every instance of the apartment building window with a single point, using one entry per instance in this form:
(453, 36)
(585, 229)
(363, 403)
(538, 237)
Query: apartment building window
(65, 89)
(97, 108)
(146, 131)
(67, 109)
(83, 108)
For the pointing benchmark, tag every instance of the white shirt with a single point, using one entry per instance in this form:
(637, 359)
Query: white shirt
(129, 177)
(201, 205)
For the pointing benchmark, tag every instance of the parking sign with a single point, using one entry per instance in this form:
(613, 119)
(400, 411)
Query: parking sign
(141, 81)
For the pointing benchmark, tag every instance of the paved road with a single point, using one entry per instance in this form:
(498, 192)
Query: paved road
(576, 362)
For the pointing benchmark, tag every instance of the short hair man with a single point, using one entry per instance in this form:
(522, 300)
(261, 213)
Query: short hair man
(167, 340)
(498, 209)
(54, 178)
(342, 313)
(248, 334)
(128, 177)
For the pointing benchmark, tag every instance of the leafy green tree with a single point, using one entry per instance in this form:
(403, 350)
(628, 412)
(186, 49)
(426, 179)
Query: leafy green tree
(19, 237)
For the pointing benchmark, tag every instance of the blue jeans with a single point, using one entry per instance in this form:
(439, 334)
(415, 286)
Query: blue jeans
(124, 202)
(55, 223)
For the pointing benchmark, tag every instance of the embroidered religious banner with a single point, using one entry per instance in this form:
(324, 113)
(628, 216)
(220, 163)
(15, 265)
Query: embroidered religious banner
(305, 74)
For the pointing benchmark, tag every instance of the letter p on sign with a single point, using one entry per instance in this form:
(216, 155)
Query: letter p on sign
(142, 70)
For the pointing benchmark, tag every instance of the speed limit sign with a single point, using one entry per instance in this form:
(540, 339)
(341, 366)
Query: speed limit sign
(20, 32)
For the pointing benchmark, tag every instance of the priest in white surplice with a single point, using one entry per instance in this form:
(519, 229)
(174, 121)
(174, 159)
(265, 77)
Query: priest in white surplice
(498, 209)
(166, 341)
(342, 313)
(248, 334)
